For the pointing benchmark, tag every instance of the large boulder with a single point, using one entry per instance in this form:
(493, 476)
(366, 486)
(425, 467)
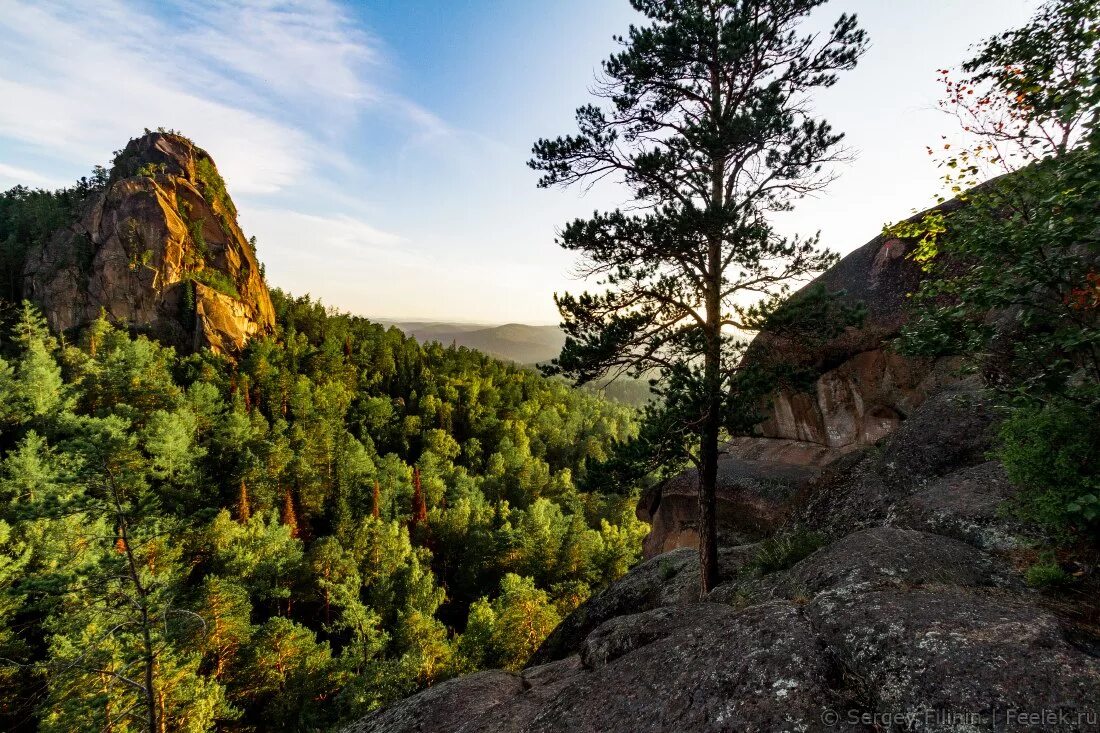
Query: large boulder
(884, 629)
(159, 251)
(455, 705)
(871, 559)
(956, 659)
(968, 504)
(753, 496)
(669, 669)
(667, 580)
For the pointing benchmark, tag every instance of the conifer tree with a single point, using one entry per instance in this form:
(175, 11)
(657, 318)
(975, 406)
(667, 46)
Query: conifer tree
(419, 506)
(706, 119)
(289, 516)
(244, 509)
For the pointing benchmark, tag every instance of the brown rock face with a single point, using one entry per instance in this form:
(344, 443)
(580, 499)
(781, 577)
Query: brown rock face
(865, 389)
(753, 495)
(863, 393)
(159, 251)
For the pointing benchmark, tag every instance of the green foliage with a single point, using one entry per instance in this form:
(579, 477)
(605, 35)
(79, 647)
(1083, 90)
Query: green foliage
(213, 185)
(187, 304)
(784, 551)
(193, 542)
(1013, 282)
(667, 570)
(1023, 248)
(198, 238)
(1049, 451)
(506, 632)
(925, 231)
(217, 280)
(151, 170)
(1047, 573)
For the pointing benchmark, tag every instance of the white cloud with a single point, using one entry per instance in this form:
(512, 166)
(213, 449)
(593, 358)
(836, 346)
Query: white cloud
(74, 90)
(297, 233)
(11, 175)
(245, 79)
(298, 50)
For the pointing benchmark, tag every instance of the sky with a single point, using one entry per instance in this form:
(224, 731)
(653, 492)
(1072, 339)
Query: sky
(377, 149)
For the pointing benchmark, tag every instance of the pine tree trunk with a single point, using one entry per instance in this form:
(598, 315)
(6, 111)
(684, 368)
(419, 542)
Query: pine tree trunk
(141, 600)
(708, 456)
(244, 508)
(712, 362)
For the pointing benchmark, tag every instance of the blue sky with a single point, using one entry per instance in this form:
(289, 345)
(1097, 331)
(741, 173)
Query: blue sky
(377, 149)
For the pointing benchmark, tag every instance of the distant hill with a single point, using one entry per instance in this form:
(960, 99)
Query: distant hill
(519, 342)
(514, 341)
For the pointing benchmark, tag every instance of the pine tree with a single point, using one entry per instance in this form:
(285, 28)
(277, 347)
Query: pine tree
(419, 506)
(289, 516)
(244, 510)
(376, 507)
(225, 610)
(707, 123)
(115, 621)
(39, 388)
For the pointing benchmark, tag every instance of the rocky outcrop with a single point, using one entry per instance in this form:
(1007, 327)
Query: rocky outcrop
(864, 389)
(668, 580)
(160, 251)
(909, 617)
(863, 393)
(668, 669)
(753, 495)
(856, 403)
(933, 474)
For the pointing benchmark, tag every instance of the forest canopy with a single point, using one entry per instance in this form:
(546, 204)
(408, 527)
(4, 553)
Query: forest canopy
(288, 540)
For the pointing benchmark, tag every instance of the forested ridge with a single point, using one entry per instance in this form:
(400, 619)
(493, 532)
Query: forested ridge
(284, 540)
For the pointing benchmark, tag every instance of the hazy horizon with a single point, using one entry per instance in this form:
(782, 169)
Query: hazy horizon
(379, 156)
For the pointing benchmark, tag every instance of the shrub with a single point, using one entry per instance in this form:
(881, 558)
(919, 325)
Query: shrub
(780, 553)
(214, 185)
(151, 170)
(217, 280)
(667, 570)
(187, 305)
(1046, 573)
(1049, 452)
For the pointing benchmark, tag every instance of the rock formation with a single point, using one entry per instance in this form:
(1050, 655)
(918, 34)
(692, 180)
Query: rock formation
(909, 617)
(160, 251)
(863, 393)
(753, 494)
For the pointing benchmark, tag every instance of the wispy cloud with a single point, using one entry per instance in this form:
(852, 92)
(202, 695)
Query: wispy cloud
(299, 234)
(246, 79)
(11, 175)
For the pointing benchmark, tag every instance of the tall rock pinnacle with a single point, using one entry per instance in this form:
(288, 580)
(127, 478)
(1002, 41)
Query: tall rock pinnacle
(160, 251)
